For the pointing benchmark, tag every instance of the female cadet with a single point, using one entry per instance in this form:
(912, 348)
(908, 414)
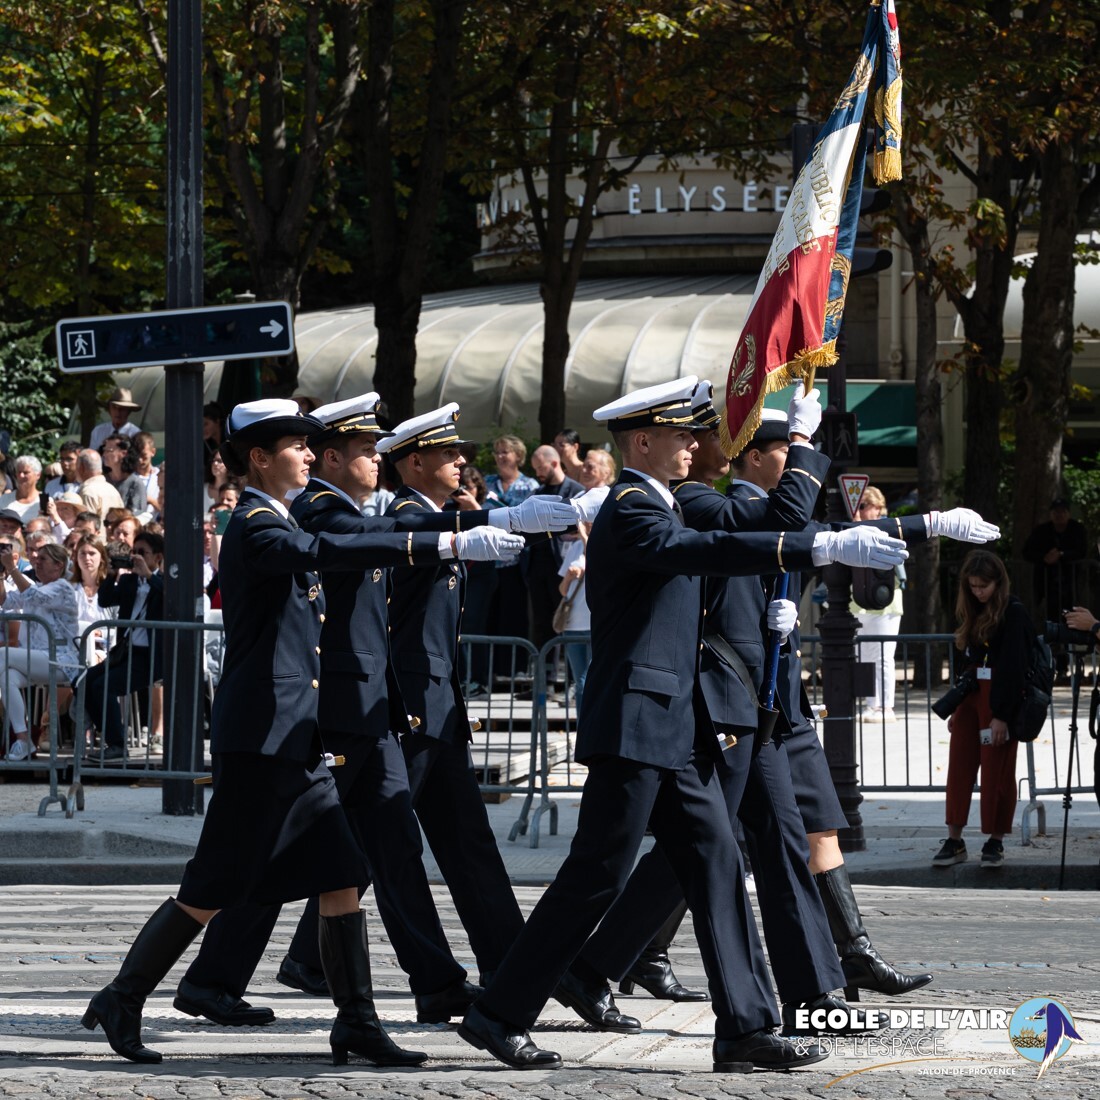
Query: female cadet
(275, 830)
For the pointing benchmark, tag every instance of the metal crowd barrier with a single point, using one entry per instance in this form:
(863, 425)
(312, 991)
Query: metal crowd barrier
(507, 724)
(1043, 760)
(56, 676)
(145, 697)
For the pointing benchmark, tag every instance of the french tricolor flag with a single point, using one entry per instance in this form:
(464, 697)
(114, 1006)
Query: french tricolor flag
(795, 313)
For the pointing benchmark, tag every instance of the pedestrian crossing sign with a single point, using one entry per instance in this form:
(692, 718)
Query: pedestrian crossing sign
(851, 488)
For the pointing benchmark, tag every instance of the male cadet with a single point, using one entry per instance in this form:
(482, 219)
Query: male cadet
(776, 812)
(362, 716)
(425, 620)
(650, 751)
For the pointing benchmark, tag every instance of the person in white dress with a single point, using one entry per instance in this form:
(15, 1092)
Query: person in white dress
(52, 599)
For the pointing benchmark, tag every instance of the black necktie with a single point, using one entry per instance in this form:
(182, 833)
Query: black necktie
(678, 513)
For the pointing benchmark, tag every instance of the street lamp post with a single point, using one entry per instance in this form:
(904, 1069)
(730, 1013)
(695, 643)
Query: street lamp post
(183, 410)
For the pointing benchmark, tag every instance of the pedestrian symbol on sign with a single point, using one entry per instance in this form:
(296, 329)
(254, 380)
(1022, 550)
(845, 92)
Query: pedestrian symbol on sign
(80, 344)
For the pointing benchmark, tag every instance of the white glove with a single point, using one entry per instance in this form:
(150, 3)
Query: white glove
(535, 514)
(804, 411)
(859, 546)
(588, 504)
(782, 617)
(963, 525)
(488, 544)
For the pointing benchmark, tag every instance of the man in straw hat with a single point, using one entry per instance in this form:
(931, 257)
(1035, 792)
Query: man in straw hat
(119, 406)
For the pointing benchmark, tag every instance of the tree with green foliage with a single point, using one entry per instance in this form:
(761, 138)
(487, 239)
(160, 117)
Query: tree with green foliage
(81, 148)
(33, 412)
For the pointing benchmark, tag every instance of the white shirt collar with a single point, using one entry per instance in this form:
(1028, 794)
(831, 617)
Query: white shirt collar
(278, 505)
(663, 490)
(751, 485)
(430, 503)
(338, 491)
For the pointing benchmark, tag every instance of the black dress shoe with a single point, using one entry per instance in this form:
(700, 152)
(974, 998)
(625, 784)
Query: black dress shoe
(763, 1050)
(594, 1004)
(219, 1006)
(114, 752)
(856, 1021)
(653, 972)
(438, 1008)
(304, 978)
(506, 1044)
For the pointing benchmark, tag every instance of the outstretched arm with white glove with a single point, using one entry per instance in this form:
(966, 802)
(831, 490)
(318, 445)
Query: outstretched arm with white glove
(782, 617)
(803, 414)
(859, 546)
(535, 514)
(487, 544)
(961, 524)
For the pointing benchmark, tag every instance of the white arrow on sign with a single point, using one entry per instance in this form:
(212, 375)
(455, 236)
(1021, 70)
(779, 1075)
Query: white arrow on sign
(272, 328)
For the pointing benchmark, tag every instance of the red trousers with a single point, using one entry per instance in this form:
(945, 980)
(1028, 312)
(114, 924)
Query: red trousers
(998, 766)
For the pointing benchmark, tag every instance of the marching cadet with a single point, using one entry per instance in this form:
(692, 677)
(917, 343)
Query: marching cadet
(786, 784)
(362, 717)
(425, 618)
(275, 830)
(650, 751)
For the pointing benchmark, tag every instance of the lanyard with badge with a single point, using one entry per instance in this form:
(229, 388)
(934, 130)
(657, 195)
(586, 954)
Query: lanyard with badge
(984, 671)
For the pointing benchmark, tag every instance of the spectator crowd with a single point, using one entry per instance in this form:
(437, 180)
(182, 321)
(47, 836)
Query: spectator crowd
(82, 542)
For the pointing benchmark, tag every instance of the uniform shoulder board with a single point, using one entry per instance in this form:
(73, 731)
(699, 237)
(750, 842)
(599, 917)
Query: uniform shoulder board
(322, 493)
(249, 515)
(629, 489)
(680, 484)
(406, 503)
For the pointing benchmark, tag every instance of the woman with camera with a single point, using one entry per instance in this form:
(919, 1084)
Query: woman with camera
(994, 633)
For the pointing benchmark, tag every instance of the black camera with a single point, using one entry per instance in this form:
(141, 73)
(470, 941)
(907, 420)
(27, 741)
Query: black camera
(1061, 634)
(947, 704)
(119, 556)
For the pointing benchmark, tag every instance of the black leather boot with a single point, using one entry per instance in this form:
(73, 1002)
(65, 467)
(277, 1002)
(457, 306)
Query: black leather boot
(346, 959)
(653, 971)
(864, 967)
(117, 1007)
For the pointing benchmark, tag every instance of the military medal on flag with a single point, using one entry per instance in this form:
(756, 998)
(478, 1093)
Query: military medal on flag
(796, 311)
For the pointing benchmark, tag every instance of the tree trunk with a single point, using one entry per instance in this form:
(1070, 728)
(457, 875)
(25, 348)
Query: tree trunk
(1046, 343)
(924, 563)
(401, 245)
(994, 242)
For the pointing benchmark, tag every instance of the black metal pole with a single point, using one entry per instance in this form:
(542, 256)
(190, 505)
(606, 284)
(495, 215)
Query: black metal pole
(838, 634)
(183, 411)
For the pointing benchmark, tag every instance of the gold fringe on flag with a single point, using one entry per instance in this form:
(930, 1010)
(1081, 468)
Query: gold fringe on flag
(803, 366)
(886, 165)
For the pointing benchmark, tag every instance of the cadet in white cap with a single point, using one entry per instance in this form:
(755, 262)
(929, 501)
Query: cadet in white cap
(274, 830)
(650, 752)
(425, 615)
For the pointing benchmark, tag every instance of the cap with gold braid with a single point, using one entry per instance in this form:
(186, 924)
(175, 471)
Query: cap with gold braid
(702, 405)
(438, 428)
(357, 414)
(665, 406)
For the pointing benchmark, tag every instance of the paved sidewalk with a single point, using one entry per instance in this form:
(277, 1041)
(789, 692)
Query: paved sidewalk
(122, 837)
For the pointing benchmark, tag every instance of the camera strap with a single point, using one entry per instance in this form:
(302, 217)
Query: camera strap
(1094, 708)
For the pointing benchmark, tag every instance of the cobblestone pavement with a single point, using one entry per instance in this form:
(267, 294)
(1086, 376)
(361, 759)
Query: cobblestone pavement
(988, 949)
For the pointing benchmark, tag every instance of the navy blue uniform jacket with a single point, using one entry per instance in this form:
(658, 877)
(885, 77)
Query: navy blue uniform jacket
(425, 614)
(645, 594)
(273, 606)
(736, 606)
(359, 692)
